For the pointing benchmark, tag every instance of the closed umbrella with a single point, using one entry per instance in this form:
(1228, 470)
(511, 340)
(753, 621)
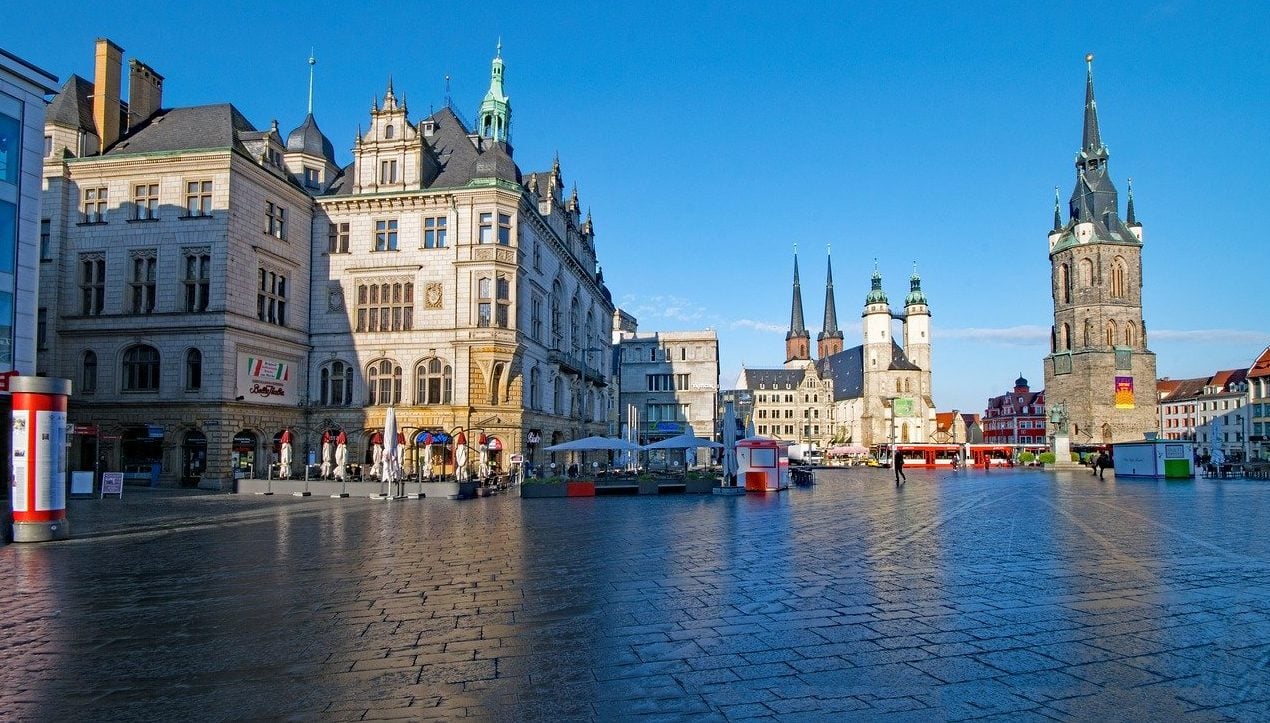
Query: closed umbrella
(729, 445)
(284, 455)
(328, 452)
(341, 456)
(427, 455)
(460, 457)
(390, 463)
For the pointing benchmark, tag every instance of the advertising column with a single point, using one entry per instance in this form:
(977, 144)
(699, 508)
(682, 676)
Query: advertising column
(38, 489)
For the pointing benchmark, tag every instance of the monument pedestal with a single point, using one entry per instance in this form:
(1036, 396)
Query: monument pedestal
(1063, 453)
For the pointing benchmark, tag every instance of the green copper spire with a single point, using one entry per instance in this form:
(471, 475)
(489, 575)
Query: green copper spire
(876, 294)
(915, 295)
(496, 111)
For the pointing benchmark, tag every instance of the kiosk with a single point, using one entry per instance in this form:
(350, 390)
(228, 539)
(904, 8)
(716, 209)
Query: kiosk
(1167, 458)
(763, 464)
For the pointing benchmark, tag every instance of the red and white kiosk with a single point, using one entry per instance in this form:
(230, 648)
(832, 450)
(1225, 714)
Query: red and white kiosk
(763, 464)
(38, 490)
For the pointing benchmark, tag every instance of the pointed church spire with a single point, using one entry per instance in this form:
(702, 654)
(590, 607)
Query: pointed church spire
(495, 114)
(1091, 142)
(797, 339)
(1130, 217)
(829, 340)
(1058, 216)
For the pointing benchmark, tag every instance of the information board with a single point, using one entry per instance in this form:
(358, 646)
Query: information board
(112, 484)
(82, 482)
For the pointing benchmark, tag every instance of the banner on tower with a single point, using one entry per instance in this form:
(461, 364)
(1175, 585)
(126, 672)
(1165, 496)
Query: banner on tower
(1124, 392)
(903, 407)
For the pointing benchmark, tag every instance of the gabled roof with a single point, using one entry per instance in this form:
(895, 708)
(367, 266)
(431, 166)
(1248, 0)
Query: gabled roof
(181, 129)
(1227, 377)
(1261, 367)
(846, 370)
(72, 106)
(1179, 389)
(460, 162)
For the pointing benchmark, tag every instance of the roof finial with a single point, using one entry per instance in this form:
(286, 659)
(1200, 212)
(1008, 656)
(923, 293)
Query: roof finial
(1092, 139)
(448, 102)
(498, 50)
(312, 62)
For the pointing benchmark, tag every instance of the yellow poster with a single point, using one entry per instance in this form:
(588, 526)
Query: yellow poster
(1124, 392)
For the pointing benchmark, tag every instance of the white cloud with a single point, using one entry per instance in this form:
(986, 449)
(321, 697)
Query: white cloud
(1023, 335)
(1208, 336)
(765, 326)
(673, 308)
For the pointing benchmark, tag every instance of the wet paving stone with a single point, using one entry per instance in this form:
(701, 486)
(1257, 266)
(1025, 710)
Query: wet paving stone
(1020, 595)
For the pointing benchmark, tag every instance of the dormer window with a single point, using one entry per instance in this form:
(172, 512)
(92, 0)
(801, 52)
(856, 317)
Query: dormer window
(312, 177)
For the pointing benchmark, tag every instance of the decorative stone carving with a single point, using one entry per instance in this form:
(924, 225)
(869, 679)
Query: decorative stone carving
(432, 296)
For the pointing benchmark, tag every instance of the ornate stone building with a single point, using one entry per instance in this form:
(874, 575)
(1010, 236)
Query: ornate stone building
(1099, 374)
(208, 283)
(874, 393)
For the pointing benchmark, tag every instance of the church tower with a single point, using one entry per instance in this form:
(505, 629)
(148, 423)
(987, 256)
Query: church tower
(495, 114)
(797, 340)
(829, 340)
(877, 327)
(1099, 372)
(917, 329)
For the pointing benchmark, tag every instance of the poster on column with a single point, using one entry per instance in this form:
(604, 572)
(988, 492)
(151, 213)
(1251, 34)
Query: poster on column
(50, 460)
(21, 418)
(1124, 392)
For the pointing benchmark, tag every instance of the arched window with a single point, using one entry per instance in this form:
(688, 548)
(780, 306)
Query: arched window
(899, 386)
(389, 132)
(1064, 284)
(1130, 334)
(434, 382)
(336, 384)
(1065, 337)
(496, 383)
(88, 380)
(1118, 273)
(383, 383)
(193, 370)
(1088, 336)
(1111, 332)
(1086, 273)
(535, 390)
(908, 385)
(140, 368)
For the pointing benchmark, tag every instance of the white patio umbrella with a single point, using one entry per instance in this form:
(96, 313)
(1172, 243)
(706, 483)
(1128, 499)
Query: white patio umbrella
(460, 456)
(341, 460)
(427, 457)
(595, 443)
(328, 451)
(684, 441)
(729, 445)
(284, 457)
(377, 460)
(390, 462)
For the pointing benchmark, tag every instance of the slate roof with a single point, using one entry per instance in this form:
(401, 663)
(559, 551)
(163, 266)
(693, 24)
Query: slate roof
(179, 129)
(72, 106)
(308, 138)
(458, 159)
(1180, 389)
(846, 370)
(773, 378)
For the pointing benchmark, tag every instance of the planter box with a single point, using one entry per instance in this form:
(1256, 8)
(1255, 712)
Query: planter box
(529, 490)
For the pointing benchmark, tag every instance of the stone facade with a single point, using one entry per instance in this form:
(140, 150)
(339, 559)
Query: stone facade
(209, 284)
(1100, 373)
(669, 383)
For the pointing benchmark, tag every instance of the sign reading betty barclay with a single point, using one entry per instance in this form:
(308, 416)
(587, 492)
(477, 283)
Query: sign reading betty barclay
(265, 380)
(1124, 392)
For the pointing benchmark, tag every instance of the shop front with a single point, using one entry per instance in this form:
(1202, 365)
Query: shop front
(242, 454)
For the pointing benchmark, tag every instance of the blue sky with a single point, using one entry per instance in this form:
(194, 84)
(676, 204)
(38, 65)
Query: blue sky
(709, 138)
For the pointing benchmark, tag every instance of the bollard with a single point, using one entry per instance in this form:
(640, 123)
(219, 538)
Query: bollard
(39, 458)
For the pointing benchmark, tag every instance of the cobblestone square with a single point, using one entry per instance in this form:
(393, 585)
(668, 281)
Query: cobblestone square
(1018, 595)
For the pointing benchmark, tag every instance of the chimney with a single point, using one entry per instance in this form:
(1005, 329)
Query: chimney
(107, 74)
(145, 92)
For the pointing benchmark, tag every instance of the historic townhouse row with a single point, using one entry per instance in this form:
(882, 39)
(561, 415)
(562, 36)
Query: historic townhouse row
(206, 284)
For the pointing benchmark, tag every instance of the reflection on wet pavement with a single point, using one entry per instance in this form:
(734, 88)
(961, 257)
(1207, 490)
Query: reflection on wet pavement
(960, 595)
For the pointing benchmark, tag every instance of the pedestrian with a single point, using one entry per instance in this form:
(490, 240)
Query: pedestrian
(897, 460)
(1102, 463)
